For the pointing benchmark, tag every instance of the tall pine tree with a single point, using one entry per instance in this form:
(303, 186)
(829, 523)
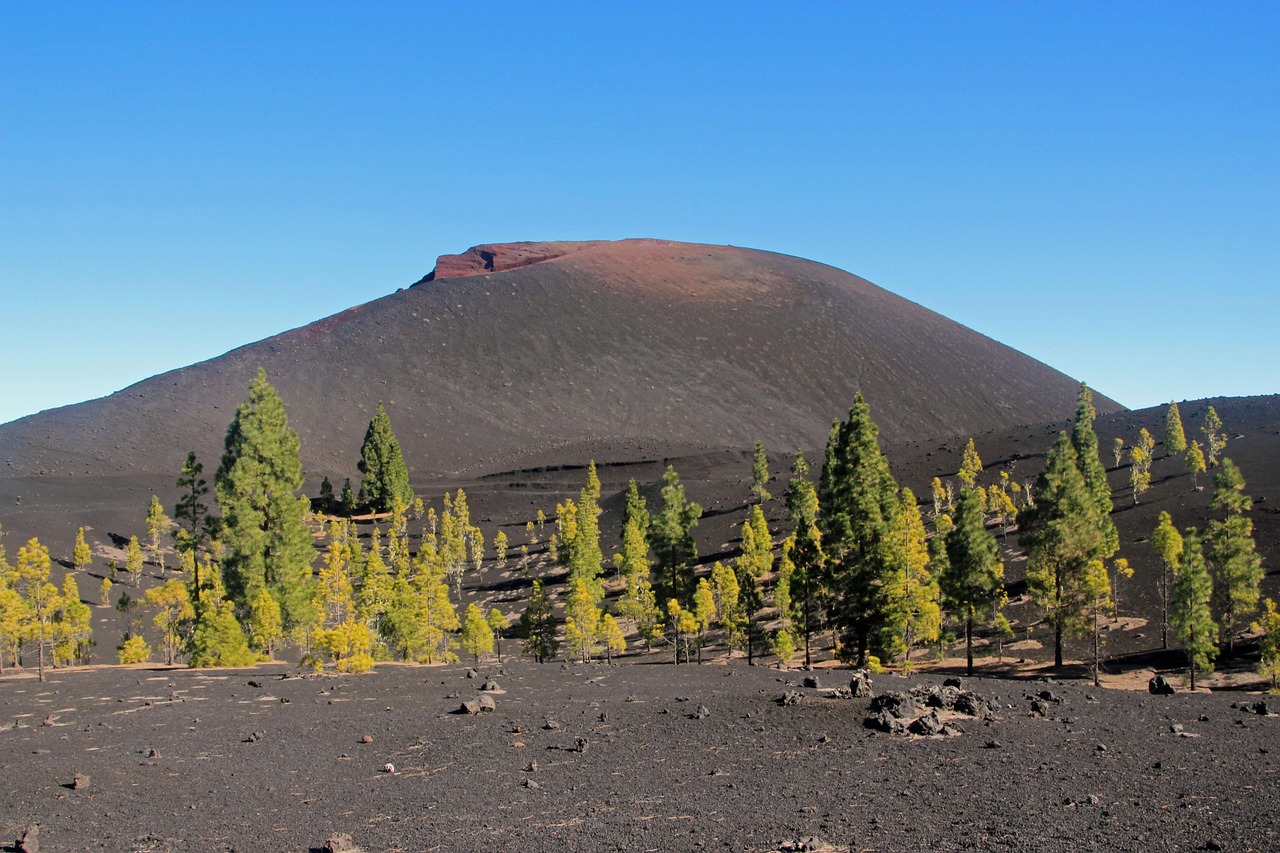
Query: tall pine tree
(857, 500)
(265, 532)
(1190, 615)
(1175, 437)
(1234, 562)
(1062, 534)
(972, 584)
(1085, 442)
(386, 479)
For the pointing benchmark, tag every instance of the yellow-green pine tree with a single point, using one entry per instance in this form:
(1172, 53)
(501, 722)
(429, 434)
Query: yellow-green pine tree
(81, 556)
(173, 607)
(158, 525)
(41, 597)
(477, 636)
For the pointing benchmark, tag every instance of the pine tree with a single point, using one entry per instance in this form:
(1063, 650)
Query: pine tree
(72, 626)
(939, 496)
(157, 527)
(266, 623)
(633, 560)
(265, 532)
(671, 537)
(1214, 438)
(760, 475)
(757, 543)
(921, 592)
(728, 604)
(704, 611)
(1117, 448)
(1269, 644)
(133, 648)
(972, 584)
(1190, 613)
(173, 607)
(31, 580)
(498, 622)
(1085, 442)
(802, 497)
(970, 465)
(749, 595)
(347, 502)
(1097, 589)
(804, 594)
(858, 499)
(538, 626)
(477, 636)
(133, 561)
(1175, 438)
(1141, 456)
(1233, 559)
(1195, 463)
(326, 500)
(585, 557)
(1062, 534)
(611, 637)
(81, 556)
(13, 620)
(1168, 544)
(783, 646)
(636, 508)
(386, 479)
(104, 591)
(195, 527)
(582, 618)
(639, 603)
(216, 637)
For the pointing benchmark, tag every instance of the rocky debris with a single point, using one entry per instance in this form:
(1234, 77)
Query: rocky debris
(952, 681)
(860, 684)
(838, 693)
(927, 725)
(700, 713)
(580, 744)
(472, 672)
(30, 840)
(530, 784)
(531, 767)
(811, 681)
(896, 712)
(80, 782)
(388, 768)
(808, 844)
(366, 738)
(791, 697)
(486, 703)
(1039, 708)
(1049, 696)
(255, 684)
(254, 737)
(489, 686)
(1160, 686)
(340, 842)
(552, 725)
(469, 708)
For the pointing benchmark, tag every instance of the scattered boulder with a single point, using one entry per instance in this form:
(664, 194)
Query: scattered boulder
(791, 697)
(860, 684)
(811, 681)
(580, 744)
(1261, 709)
(1160, 686)
(839, 693)
(80, 782)
(952, 681)
(472, 672)
(809, 844)
(469, 707)
(531, 767)
(489, 686)
(1039, 707)
(939, 697)
(254, 737)
(927, 725)
(972, 705)
(30, 840)
(1050, 696)
(340, 842)
(700, 713)
(486, 703)
(388, 768)
(883, 721)
(552, 725)
(530, 784)
(897, 703)
(366, 738)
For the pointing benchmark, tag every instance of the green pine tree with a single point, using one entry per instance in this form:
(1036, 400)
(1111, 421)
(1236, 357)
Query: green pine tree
(1190, 614)
(760, 474)
(1215, 439)
(671, 537)
(81, 556)
(386, 479)
(538, 625)
(801, 497)
(1175, 437)
(1232, 556)
(1168, 544)
(477, 636)
(972, 584)
(857, 500)
(970, 465)
(265, 532)
(157, 526)
(1062, 534)
(1085, 442)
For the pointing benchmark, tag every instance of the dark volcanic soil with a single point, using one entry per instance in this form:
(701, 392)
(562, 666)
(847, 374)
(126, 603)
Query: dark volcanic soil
(183, 760)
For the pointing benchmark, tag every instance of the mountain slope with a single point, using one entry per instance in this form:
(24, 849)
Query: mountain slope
(532, 354)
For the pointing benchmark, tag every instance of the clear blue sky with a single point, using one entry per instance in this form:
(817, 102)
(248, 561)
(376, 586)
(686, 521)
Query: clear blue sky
(1095, 184)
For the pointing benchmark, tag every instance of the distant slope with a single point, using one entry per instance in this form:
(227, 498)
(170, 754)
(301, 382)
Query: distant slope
(525, 354)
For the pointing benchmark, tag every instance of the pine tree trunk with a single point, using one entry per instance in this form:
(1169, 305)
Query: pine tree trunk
(1057, 643)
(40, 650)
(968, 644)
